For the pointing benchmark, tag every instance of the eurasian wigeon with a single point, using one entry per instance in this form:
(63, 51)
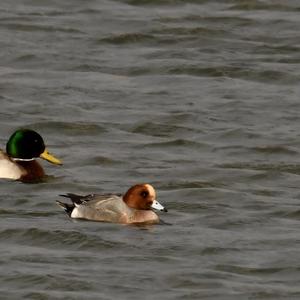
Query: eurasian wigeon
(133, 207)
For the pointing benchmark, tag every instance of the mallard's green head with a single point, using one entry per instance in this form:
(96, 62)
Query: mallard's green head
(26, 144)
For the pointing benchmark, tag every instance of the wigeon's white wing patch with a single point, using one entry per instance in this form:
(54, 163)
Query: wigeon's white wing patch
(76, 213)
(9, 169)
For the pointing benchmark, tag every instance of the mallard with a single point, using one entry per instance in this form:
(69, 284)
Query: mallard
(19, 161)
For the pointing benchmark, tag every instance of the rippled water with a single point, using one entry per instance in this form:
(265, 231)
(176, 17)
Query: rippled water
(199, 98)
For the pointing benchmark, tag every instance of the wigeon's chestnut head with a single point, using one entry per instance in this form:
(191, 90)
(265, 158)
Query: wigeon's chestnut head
(142, 196)
(134, 207)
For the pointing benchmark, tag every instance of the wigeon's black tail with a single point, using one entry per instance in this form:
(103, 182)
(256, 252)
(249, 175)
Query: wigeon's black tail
(76, 199)
(68, 208)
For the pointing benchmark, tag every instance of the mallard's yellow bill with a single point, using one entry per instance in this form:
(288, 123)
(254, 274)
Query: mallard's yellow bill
(49, 157)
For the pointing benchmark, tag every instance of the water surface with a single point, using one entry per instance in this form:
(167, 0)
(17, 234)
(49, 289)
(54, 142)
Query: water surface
(198, 98)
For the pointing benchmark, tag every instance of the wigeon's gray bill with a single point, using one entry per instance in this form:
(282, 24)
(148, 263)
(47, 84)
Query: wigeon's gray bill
(156, 205)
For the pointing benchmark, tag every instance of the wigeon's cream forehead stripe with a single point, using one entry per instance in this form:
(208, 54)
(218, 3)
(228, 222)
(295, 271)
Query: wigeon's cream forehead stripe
(151, 190)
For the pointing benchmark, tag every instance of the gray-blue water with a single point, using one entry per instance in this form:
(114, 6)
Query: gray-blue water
(198, 98)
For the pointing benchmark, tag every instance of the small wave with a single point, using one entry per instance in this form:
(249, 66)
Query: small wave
(175, 143)
(72, 128)
(7, 212)
(159, 130)
(26, 58)
(242, 270)
(288, 168)
(104, 161)
(275, 150)
(218, 250)
(127, 38)
(53, 239)
(180, 185)
(187, 31)
(31, 28)
(260, 5)
(160, 2)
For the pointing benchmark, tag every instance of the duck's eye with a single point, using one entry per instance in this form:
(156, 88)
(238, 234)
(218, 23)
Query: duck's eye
(144, 194)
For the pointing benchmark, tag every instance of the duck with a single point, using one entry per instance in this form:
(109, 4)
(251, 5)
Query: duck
(135, 206)
(19, 160)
